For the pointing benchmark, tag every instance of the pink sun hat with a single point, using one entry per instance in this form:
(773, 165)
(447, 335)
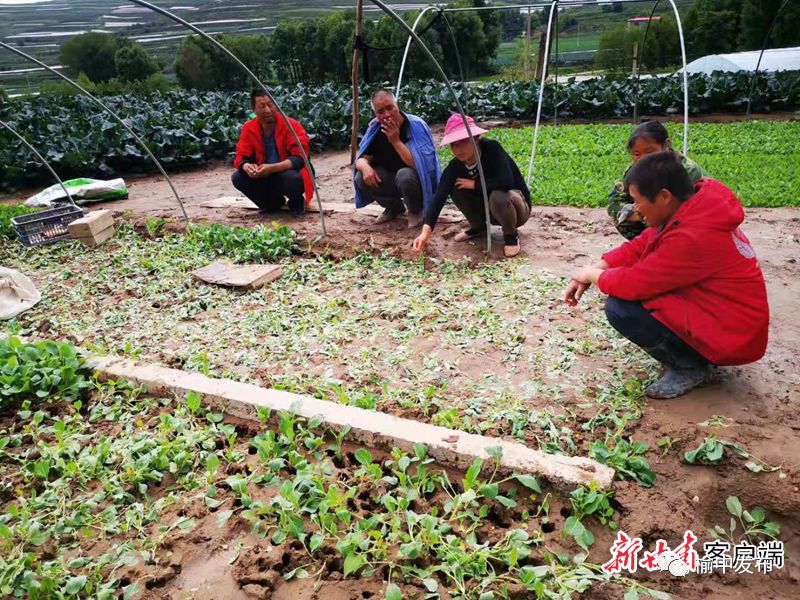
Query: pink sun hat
(455, 131)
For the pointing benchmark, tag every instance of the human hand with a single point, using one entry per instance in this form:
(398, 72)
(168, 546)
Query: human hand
(574, 292)
(586, 275)
(265, 170)
(250, 169)
(370, 176)
(421, 241)
(391, 130)
(462, 183)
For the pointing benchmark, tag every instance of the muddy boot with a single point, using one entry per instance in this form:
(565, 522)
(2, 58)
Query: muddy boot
(676, 382)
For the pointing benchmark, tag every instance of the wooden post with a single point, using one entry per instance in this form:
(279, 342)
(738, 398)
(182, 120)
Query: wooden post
(541, 59)
(528, 47)
(356, 109)
(635, 74)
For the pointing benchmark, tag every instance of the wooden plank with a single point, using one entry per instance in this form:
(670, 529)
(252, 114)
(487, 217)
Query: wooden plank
(229, 202)
(98, 238)
(92, 224)
(242, 276)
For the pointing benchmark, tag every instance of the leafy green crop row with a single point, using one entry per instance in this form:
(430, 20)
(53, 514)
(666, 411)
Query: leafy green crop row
(76, 490)
(244, 244)
(9, 212)
(40, 370)
(578, 164)
(190, 128)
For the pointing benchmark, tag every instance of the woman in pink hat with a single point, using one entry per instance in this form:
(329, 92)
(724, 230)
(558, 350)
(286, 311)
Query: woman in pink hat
(509, 197)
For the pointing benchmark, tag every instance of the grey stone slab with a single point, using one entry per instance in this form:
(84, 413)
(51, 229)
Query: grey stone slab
(242, 276)
(371, 428)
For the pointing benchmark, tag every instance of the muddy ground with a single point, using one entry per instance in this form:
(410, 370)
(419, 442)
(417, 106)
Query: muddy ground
(760, 400)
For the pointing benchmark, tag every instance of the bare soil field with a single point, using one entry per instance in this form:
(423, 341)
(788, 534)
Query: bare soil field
(458, 339)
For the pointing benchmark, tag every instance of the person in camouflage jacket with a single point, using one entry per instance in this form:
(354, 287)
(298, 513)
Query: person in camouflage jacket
(647, 138)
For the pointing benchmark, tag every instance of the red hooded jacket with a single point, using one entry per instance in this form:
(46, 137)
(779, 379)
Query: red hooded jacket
(250, 147)
(699, 276)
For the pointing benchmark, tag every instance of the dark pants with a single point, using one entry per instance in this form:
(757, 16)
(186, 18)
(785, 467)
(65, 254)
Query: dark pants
(636, 323)
(509, 209)
(268, 192)
(395, 189)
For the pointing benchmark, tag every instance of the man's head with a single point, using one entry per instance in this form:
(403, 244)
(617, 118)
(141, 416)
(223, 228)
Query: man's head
(658, 184)
(262, 107)
(385, 107)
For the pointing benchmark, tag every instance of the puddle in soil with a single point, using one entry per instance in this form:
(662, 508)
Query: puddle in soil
(208, 578)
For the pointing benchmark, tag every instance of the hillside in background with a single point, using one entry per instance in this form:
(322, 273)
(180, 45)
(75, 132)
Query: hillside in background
(41, 26)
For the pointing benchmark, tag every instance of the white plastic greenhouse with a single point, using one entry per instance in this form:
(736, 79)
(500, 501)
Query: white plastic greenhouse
(777, 59)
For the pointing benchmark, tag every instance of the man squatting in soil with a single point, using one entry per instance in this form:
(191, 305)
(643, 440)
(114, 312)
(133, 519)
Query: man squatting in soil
(396, 164)
(269, 163)
(689, 290)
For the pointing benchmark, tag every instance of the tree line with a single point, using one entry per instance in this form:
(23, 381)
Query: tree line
(724, 26)
(320, 49)
(710, 27)
(317, 50)
(312, 50)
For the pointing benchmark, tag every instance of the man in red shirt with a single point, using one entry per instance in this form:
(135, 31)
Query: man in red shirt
(269, 163)
(688, 290)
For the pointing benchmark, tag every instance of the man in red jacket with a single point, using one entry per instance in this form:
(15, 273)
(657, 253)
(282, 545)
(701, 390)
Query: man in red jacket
(269, 163)
(688, 290)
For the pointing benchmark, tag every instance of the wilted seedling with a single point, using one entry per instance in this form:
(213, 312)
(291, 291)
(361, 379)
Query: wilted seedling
(717, 421)
(752, 524)
(666, 443)
(712, 450)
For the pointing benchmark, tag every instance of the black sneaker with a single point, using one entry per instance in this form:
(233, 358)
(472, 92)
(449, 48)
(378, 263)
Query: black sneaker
(297, 208)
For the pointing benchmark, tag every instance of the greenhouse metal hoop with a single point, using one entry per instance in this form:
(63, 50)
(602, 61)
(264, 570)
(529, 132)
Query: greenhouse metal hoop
(754, 78)
(36, 153)
(252, 75)
(554, 5)
(110, 111)
(412, 34)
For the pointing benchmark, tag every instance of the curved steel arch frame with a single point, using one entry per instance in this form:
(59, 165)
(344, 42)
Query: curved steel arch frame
(754, 78)
(44, 161)
(108, 109)
(252, 75)
(416, 38)
(685, 73)
(544, 73)
(532, 163)
(641, 59)
(554, 7)
(399, 85)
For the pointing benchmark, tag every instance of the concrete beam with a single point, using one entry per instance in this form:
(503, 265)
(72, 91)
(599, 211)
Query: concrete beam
(372, 428)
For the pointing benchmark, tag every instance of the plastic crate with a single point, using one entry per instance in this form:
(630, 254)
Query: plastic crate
(47, 226)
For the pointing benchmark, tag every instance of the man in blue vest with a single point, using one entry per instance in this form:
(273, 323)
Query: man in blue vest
(396, 164)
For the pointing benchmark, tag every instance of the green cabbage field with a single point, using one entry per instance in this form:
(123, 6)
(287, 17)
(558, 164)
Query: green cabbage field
(578, 163)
